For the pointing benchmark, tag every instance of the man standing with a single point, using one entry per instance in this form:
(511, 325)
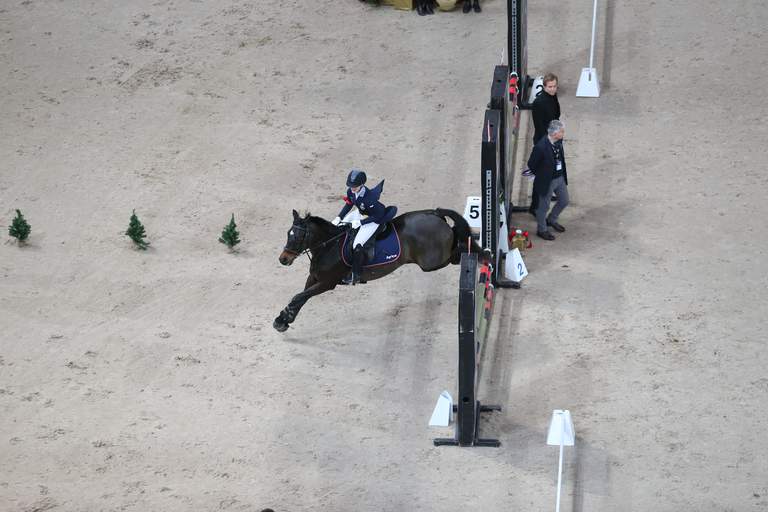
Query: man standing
(545, 108)
(470, 5)
(547, 161)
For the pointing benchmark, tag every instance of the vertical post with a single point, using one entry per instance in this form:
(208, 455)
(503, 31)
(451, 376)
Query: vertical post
(560, 433)
(489, 182)
(560, 464)
(513, 55)
(517, 46)
(466, 408)
(589, 86)
(592, 44)
(500, 101)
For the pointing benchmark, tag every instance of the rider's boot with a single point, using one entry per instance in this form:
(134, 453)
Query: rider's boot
(358, 255)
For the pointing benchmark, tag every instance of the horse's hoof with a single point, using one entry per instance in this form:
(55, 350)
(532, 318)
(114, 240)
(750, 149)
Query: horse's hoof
(280, 325)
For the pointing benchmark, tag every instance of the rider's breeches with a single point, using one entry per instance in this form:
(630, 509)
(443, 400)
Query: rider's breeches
(364, 233)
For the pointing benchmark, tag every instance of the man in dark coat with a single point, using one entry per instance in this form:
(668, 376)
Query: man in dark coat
(547, 161)
(546, 107)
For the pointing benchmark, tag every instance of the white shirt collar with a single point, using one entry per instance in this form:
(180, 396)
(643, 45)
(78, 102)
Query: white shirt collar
(360, 193)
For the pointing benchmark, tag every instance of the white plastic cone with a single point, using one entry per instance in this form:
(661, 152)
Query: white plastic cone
(589, 86)
(561, 427)
(441, 416)
(514, 266)
(561, 433)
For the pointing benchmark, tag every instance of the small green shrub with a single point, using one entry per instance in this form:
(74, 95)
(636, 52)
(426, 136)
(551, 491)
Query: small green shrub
(20, 228)
(136, 232)
(230, 236)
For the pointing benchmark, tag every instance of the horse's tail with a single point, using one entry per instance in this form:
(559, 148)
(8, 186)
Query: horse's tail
(462, 235)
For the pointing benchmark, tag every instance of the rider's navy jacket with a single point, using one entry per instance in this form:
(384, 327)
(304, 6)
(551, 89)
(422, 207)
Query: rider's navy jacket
(368, 203)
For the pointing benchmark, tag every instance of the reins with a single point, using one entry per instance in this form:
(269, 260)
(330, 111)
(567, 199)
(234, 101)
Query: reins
(308, 250)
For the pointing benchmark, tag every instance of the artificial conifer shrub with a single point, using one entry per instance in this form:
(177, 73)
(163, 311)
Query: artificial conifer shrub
(230, 236)
(20, 228)
(136, 232)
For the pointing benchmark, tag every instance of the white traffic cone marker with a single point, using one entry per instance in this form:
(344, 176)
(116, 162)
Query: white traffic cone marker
(561, 433)
(441, 416)
(589, 87)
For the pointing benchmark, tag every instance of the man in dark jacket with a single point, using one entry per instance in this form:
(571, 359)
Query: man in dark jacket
(367, 202)
(547, 161)
(546, 107)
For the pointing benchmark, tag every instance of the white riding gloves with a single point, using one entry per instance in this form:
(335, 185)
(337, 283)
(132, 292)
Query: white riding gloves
(336, 221)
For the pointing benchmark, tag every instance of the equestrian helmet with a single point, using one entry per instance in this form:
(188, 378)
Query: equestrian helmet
(356, 178)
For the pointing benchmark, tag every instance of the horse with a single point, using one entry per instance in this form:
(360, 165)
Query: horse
(426, 239)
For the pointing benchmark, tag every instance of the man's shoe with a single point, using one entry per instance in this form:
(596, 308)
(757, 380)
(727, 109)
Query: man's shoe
(546, 235)
(467, 6)
(476, 6)
(557, 227)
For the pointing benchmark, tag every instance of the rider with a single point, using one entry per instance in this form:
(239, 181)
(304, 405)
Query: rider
(367, 202)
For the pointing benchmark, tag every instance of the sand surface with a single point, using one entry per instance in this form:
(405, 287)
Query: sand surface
(154, 381)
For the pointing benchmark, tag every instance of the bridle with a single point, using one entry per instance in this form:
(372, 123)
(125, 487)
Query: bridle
(304, 234)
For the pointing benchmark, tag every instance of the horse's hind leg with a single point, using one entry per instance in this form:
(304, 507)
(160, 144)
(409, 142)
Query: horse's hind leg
(435, 260)
(429, 245)
(288, 314)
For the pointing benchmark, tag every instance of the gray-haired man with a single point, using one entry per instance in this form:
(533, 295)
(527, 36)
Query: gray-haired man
(547, 161)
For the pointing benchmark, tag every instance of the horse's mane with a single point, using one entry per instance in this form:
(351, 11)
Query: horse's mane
(322, 222)
(313, 218)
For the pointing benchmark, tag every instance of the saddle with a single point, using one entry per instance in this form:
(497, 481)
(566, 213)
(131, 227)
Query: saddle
(381, 249)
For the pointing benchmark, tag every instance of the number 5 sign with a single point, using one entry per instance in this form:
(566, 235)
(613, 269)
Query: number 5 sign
(472, 212)
(514, 267)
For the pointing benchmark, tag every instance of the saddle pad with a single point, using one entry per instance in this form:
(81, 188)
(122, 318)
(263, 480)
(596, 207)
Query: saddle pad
(387, 250)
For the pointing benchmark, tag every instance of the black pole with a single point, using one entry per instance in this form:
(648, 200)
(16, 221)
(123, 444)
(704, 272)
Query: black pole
(517, 49)
(468, 407)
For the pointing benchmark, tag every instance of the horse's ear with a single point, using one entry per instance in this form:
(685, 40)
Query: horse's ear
(296, 215)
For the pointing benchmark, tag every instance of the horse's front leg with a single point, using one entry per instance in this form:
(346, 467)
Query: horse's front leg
(288, 315)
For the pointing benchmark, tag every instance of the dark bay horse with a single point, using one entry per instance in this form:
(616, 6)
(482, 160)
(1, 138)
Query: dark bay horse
(426, 239)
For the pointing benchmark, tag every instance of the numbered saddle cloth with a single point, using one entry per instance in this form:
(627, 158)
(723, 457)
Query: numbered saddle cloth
(386, 248)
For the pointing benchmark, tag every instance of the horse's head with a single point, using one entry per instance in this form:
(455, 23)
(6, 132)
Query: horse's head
(298, 239)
